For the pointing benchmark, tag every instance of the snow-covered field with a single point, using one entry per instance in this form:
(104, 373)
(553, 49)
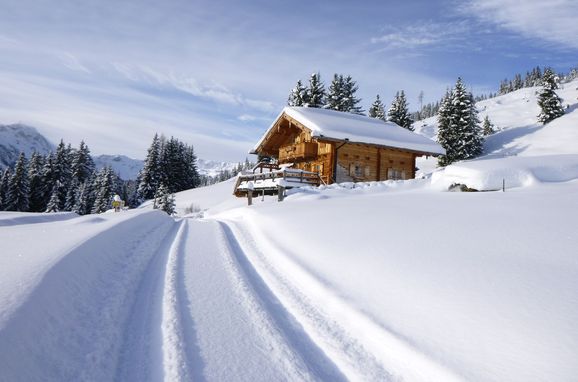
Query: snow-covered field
(382, 281)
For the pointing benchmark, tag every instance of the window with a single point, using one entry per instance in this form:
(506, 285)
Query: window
(395, 174)
(355, 170)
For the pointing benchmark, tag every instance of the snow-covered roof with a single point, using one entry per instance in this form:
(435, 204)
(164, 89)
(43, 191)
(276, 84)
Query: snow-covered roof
(338, 125)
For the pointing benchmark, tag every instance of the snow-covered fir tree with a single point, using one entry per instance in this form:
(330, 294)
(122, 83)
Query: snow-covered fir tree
(105, 188)
(82, 163)
(18, 187)
(37, 198)
(341, 95)
(171, 162)
(335, 94)
(487, 127)
(549, 102)
(4, 181)
(377, 109)
(298, 95)
(85, 196)
(151, 175)
(350, 100)
(315, 94)
(54, 202)
(164, 200)
(459, 132)
(398, 112)
(58, 172)
(71, 195)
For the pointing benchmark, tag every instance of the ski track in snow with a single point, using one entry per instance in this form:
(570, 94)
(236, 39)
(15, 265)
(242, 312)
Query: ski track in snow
(151, 299)
(360, 348)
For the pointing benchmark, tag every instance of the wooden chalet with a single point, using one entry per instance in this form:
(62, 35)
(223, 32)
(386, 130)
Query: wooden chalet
(343, 147)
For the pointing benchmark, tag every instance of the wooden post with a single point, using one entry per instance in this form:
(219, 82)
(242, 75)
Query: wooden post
(504, 185)
(250, 188)
(280, 193)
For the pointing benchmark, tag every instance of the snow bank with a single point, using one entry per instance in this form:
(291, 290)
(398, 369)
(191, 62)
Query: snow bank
(16, 218)
(64, 289)
(479, 284)
(488, 174)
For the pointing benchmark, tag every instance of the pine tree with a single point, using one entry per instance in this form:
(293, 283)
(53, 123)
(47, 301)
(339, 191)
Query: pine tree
(54, 202)
(164, 200)
(4, 181)
(458, 126)
(81, 206)
(315, 94)
(398, 112)
(487, 127)
(377, 109)
(549, 102)
(445, 135)
(341, 95)
(298, 95)
(18, 187)
(37, 199)
(58, 172)
(105, 188)
(150, 176)
(335, 94)
(350, 100)
(71, 195)
(82, 163)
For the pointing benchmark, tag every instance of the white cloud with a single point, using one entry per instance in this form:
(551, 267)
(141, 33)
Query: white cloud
(72, 62)
(423, 34)
(553, 21)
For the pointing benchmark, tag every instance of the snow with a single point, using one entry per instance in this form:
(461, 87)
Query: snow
(489, 174)
(357, 129)
(20, 138)
(126, 168)
(378, 281)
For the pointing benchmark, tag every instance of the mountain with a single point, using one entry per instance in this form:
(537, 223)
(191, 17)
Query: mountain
(213, 168)
(127, 168)
(18, 138)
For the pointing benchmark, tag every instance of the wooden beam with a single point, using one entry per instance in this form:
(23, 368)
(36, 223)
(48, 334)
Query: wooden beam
(378, 164)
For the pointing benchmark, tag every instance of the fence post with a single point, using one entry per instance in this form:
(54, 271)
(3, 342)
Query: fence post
(504, 185)
(280, 193)
(250, 188)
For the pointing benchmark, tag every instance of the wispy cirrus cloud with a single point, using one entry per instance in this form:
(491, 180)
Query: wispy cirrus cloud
(422, 35)
(210, 90)
(72, 62)
(553, 21)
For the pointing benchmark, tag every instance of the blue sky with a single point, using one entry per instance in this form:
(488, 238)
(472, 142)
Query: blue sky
(216, 73)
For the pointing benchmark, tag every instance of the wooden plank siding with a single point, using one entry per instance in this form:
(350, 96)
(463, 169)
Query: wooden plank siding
(289, 141)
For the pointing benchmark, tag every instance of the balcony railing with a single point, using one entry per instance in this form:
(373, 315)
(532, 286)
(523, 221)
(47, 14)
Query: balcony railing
(299, 151)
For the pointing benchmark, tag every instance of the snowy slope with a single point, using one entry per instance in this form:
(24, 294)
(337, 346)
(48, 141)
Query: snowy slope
(20, 138)
(515, 115)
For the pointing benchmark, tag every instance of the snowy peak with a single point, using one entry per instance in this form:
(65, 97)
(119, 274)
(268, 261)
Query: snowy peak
(18, 138)
(213, 168)
(127, 168)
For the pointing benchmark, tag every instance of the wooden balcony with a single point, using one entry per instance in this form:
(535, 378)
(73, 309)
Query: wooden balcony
(297, 152)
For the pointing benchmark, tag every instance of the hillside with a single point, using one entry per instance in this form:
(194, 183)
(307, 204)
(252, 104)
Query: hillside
(18, 138)
(515, 116)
